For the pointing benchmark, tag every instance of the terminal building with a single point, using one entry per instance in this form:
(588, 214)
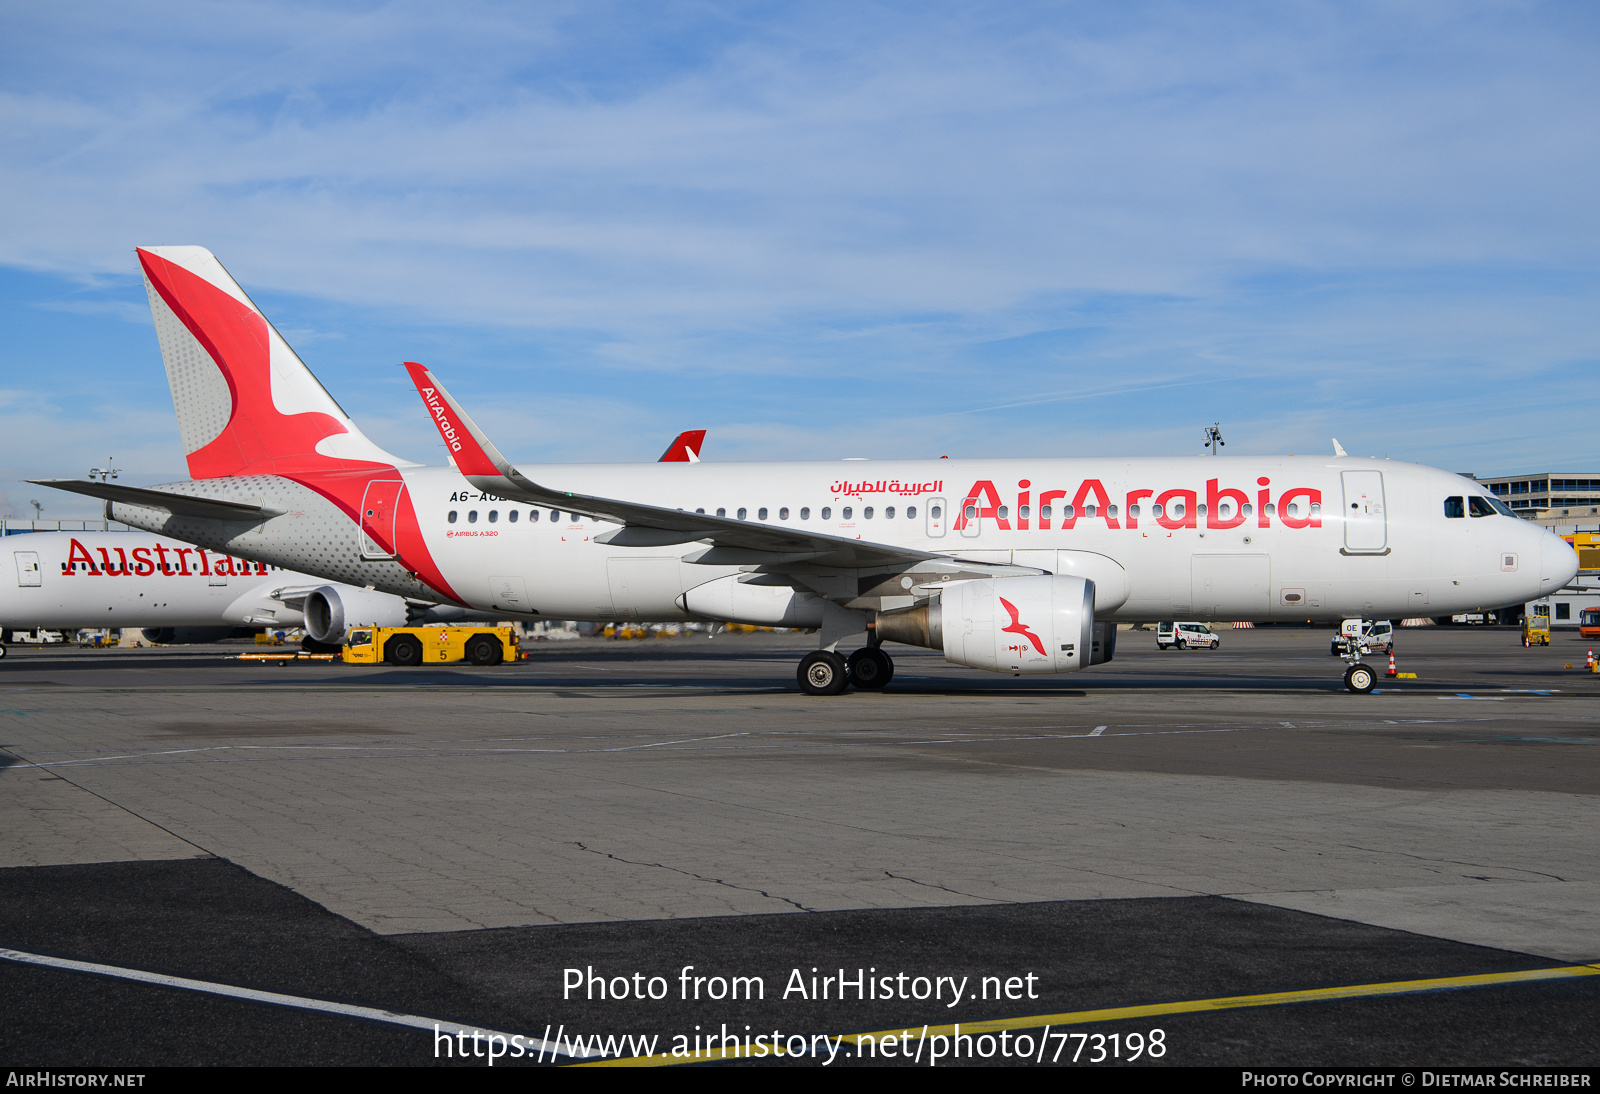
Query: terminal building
(1568, 503)
(1556, 499)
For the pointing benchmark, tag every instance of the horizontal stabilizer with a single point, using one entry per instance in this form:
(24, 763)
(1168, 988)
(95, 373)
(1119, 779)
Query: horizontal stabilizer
(183, 505)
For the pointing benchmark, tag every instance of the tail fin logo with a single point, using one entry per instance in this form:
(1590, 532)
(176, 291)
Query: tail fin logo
(279, 419)
(1018, 628)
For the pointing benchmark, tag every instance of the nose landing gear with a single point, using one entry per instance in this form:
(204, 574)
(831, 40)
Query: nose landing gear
(1359, 678)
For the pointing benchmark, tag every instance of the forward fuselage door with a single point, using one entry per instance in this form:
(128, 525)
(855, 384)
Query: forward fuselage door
(937, 517)
(1366, 529)
(379, 505)
(28, 572)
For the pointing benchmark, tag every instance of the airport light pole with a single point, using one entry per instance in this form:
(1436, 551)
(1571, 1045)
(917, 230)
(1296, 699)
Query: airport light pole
(1214, 439)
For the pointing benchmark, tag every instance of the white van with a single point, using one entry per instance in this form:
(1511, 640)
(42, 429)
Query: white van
(1186, 636)
(1376, 637)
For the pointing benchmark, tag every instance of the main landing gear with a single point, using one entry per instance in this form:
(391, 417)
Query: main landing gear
(828, 673)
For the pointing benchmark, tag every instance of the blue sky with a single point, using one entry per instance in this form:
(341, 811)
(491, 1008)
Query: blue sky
(822, 230)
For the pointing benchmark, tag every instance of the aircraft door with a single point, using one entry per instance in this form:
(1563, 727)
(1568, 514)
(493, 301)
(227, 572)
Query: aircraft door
(28, 568)
(938, 518)
(1366, 529)
(378, 508)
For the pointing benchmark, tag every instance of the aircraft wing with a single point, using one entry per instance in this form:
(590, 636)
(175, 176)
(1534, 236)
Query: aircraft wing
(732, 542)
(186, 505)
(685, 448)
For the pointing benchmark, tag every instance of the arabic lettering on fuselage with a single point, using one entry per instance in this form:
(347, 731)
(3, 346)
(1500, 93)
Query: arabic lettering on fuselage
(887, 486)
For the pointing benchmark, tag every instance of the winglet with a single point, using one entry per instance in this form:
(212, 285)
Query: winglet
(472, 451)
(1338, 449)
(686, 448)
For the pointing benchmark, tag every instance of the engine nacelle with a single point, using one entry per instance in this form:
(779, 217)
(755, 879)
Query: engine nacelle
(1009, 624)
(332, 609)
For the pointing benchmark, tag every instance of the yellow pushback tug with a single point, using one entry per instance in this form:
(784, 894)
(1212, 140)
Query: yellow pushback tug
(430, 645)
(413, 646)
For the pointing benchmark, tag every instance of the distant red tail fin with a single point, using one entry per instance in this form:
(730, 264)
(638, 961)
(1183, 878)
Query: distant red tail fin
(686, 448)
(246, 403)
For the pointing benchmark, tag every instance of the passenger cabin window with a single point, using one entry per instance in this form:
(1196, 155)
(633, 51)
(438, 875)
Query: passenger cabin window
(452, 517)
(1455, 507)
(1479, 506)
(512, 516)
(741, 512)
(722, 512)
(783, 514)
(472, 516)
(761, 514)
(911, 512)
(846, 513)
(805, 512)
(494, 515)
(867, 512)
(827, 512)
(888, 514)
(555, 516)
(533, 514)
(938, 512)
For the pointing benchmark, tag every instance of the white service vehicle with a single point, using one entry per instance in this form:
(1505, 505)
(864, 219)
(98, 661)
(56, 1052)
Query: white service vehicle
(1015, 565)
(1377, 635)
(1186, 636)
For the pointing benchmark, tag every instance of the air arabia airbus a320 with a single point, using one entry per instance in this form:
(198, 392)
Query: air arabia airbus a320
(1011, 565)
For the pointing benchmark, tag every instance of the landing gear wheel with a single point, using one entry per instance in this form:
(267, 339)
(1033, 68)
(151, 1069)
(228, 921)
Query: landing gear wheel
(870, 668)
(1360, 679)
(484, 649)
(823, 673)
(402, 649)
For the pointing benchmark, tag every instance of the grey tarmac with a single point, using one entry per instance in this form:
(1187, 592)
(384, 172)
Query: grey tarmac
(1173, 825)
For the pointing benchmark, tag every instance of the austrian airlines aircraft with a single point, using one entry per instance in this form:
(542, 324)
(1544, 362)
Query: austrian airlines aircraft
(1013, 565)
(67, 580)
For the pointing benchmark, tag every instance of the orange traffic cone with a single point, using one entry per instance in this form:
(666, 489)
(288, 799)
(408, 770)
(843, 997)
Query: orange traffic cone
(1590, 665)
(1393, 671)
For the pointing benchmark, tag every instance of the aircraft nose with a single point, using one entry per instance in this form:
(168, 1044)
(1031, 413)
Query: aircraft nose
(1558, 563)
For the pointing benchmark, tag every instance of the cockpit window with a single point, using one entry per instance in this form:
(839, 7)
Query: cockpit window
(1455, 507)
(1479, 506)
(1500, 507)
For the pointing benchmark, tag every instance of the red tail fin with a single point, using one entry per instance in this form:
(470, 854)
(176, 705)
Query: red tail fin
(246, 403)
(685, 449)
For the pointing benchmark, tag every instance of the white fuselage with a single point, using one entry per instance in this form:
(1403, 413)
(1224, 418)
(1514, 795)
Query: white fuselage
(66, 580)
(1286, 538)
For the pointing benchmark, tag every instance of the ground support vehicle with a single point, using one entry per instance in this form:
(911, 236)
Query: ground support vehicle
(1377, 636)
(1589, 623)
(429, 645)
(1535, 630)
(1186, 636)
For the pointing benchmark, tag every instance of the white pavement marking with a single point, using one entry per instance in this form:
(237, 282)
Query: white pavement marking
(1098, 730)
(372, 1014)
